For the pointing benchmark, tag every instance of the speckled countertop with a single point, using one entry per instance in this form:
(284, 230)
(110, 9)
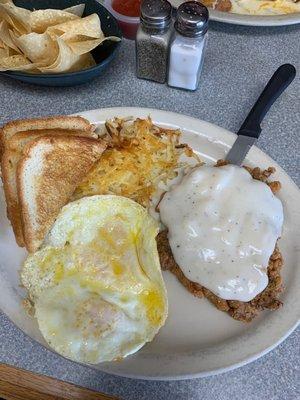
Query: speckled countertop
(239, 61)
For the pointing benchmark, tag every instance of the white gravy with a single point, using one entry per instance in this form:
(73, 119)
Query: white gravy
(223, 226)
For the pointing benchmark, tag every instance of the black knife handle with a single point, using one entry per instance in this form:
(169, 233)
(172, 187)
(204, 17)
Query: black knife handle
(281, 79)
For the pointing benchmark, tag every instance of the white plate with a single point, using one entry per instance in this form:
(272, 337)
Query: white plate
(254, 20)
(197, 340)
(250, 20)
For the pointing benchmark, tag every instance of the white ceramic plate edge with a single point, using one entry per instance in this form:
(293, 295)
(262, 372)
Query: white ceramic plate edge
(254, 20)
(206, 373)
(249, 20)
(226, 138)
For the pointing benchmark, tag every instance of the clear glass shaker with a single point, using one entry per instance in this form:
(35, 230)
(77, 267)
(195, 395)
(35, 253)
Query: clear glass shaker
(153, 39)
(188, 45)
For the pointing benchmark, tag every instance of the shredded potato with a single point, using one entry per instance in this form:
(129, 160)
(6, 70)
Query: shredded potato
(140, 155)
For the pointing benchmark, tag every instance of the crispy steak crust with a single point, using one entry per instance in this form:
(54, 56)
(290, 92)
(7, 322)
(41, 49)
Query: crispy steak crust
(241, 311)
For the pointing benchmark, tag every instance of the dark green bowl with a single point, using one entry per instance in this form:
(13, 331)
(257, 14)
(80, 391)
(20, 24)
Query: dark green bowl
(102, 54)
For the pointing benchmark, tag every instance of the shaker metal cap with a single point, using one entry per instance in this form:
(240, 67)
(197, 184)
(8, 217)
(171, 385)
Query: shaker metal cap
(192, 19)
(156, 13)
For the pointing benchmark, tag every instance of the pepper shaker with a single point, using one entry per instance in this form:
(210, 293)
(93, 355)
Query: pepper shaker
(152, 40)
(188, 45)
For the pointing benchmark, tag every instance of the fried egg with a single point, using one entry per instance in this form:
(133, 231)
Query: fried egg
(96, 283)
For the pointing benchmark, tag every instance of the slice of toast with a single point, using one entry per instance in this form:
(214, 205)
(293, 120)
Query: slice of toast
(47, 175)
(10, 159)
(58, 122)
(19, 140)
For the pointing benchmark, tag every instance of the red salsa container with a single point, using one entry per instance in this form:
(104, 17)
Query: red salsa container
(127, 13)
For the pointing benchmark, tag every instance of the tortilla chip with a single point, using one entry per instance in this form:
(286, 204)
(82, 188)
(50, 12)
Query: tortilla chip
(67, 61)
(40, 20)
(38, 47)
(6, 38)
(76, 10)
(7, 51)
(4, 53)
(85, 61)
(13, 24)
(82, 47)
(18, 18)
(89, 26)
(16, 63)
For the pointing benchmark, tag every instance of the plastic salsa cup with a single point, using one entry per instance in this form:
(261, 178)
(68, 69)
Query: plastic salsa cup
(128, 25)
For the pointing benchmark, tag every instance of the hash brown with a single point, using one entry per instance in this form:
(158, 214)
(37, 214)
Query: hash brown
(140, 156)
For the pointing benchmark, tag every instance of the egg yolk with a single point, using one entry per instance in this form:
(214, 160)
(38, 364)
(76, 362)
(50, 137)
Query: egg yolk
(154, 305)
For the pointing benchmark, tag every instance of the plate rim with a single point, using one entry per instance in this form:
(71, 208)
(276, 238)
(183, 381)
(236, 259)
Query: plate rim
(248, 19)
(254, 20)
(132, 111)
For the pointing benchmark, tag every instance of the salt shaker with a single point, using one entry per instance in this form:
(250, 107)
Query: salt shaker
(153, 39)
(187, 47)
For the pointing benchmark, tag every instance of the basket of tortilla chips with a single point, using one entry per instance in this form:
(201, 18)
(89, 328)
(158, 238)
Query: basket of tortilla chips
(41, 41)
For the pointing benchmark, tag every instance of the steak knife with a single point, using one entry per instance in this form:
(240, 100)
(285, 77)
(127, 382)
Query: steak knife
(251, 129)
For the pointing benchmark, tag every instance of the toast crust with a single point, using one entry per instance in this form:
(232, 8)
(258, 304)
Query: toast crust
(55, 122)
(9, 167)
(65, 162)
(20, 139)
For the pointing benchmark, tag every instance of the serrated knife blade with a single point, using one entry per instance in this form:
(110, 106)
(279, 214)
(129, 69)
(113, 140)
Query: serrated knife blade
(250, 129)
(240, 149)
